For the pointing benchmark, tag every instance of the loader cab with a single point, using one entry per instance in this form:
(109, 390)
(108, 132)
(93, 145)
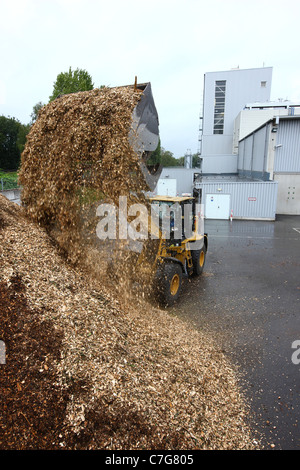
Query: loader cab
(172, 212)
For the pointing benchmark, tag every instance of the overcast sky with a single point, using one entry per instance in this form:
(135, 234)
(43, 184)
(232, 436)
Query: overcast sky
(170, 43)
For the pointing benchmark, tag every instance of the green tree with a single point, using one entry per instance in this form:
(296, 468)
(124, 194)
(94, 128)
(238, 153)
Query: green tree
(155, 158)
(35, 112)
(12, 141)
(71, 82)
(168, 159)
(22, 134)
(196, 160)
(180, 161)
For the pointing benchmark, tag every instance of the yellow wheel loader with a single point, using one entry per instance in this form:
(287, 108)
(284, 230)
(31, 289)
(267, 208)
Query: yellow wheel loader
(180, 249)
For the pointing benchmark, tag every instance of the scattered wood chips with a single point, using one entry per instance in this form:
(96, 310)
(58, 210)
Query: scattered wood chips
(83, 371)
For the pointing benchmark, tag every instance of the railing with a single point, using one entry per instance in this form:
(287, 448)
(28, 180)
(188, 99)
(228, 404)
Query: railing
(8, 183)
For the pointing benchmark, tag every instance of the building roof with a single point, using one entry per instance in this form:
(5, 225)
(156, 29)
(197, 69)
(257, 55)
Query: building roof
(237, 69)
(171, 198)
(280, 118)
(273, 104)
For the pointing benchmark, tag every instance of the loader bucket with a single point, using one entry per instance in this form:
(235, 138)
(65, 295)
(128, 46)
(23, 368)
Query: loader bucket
(144, 134)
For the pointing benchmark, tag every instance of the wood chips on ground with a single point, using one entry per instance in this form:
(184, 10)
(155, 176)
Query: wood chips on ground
(84, 371)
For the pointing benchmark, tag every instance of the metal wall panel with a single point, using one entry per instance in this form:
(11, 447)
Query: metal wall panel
(248, 153)
(241, 155)
(249, 200)
(287, 157)
(253, 154)
(258, 150)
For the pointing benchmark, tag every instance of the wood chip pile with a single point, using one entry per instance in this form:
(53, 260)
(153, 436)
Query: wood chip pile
(83, 372)
(85, 367)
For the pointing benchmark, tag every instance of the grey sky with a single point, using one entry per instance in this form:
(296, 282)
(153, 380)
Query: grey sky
(170, 43)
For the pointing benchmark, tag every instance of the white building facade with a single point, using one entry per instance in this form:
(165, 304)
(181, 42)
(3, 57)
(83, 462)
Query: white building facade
(225, 95)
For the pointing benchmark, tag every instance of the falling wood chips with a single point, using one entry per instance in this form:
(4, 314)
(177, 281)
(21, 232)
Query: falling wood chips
(78, 154)
(86, 368)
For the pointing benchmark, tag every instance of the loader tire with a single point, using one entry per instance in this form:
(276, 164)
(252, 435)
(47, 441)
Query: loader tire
(198, 258)
(168, 285)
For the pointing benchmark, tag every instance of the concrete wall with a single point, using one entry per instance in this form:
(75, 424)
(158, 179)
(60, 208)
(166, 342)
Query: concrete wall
(13, 195)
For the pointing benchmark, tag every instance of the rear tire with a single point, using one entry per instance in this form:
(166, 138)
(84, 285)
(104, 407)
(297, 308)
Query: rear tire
(198, 258)
(168, 283)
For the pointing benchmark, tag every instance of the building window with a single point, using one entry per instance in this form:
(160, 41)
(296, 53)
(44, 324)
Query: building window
(263, 84)
(220, 90)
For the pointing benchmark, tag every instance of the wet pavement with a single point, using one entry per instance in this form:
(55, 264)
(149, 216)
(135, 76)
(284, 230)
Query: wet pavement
(248, 300)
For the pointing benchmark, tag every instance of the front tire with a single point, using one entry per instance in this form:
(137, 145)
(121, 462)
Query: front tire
(168, 283)
(198, 259)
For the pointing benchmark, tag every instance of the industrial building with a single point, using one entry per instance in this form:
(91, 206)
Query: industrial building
(223, 196)
(249, 150)
(272, 153)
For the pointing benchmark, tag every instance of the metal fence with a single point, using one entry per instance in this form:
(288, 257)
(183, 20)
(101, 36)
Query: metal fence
(8, 183)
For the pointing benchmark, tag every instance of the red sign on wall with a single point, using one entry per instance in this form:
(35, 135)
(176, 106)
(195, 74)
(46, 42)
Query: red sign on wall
(251, 198)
